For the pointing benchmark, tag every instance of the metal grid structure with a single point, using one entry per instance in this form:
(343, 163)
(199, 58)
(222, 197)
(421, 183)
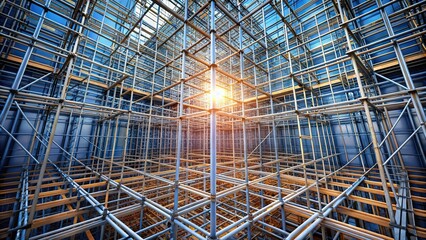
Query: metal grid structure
(219, 119)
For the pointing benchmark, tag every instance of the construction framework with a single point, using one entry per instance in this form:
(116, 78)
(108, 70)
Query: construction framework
(218, 119)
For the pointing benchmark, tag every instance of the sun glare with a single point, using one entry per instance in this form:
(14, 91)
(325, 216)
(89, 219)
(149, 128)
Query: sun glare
(218, 94)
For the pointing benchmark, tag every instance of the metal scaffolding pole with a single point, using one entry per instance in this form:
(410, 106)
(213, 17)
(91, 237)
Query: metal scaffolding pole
(212, 119)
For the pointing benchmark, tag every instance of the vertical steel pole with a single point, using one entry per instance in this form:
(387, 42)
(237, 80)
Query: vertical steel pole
(274, 130)
(180, 115)
(151, 102)
(246, 174)
(213, 142)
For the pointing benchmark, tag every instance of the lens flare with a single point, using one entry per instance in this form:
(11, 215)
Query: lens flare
(218, 94)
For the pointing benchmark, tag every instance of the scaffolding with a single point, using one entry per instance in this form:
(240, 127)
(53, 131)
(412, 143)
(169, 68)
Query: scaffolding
(212, 119)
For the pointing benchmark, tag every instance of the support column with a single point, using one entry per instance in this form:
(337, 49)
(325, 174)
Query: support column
(213, 142)
(274, 131)
(180, 115)
(245, 150)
